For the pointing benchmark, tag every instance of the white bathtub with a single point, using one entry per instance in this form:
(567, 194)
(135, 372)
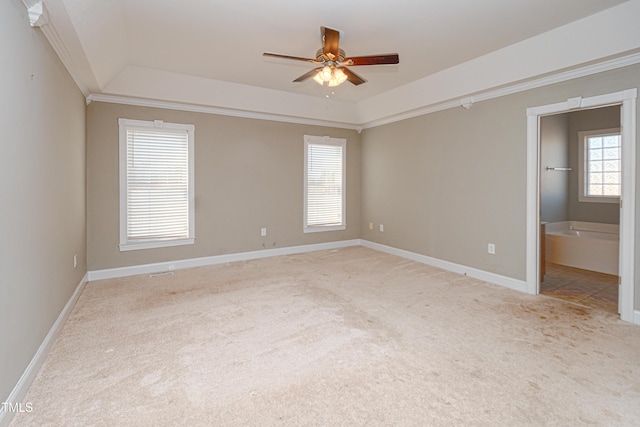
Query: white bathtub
(586, 245)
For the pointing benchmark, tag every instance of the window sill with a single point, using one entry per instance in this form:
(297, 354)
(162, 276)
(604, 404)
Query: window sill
(615, 200)
(318, 229)
(133, 246)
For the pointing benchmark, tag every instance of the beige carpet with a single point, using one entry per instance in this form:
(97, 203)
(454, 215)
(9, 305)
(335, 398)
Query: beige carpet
(344, 337)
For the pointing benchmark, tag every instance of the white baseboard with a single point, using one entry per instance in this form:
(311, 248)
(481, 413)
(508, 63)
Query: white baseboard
(636, 317)
(217, 259)
(20, 390)
(518, 285)
(507, 282)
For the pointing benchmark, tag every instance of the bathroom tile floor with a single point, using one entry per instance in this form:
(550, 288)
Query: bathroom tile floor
(588, 288)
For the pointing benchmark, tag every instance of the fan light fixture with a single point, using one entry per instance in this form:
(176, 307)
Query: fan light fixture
(331, 75)
(332, 62)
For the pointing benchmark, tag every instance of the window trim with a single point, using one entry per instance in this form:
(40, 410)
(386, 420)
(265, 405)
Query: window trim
(325, 140)
(125, 243)
(583, 169)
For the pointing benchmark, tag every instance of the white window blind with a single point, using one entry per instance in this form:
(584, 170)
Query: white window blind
(156, 184)
(324, 183)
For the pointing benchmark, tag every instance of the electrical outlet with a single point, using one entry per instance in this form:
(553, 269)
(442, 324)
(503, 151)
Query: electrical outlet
(263, 231)
(370, 226)
(381, 227)
(491, 248)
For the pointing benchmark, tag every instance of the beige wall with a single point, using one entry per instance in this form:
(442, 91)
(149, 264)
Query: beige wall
(42, 170)
(448, 183)
(554, 152)
(248, 175)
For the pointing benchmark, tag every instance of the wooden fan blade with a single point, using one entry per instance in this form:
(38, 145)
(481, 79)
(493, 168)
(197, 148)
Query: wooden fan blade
(389, 58)
(331, 41)
(353, 77)
(305, 76)
(296, 58)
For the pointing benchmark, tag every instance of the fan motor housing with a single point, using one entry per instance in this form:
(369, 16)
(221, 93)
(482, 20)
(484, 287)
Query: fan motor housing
(324, 58)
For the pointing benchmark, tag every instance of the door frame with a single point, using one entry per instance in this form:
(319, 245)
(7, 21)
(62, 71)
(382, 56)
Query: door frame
(627, 101)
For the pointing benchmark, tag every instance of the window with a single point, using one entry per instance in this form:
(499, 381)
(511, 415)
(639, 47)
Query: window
(156, 184)
(600, 166)
(324, 181)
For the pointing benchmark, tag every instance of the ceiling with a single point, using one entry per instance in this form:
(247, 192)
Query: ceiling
(216, 42)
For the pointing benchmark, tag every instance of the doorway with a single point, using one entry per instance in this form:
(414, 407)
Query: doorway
(579, 255)
(627, 101)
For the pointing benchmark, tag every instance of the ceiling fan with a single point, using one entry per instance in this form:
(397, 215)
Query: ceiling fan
(333, 61)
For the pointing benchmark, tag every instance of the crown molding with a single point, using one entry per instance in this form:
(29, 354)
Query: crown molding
(38, 15)
(219, 111)
(468, 100)
(39, 18)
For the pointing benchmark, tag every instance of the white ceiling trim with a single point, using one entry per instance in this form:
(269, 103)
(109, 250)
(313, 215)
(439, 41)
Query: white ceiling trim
(145, 83)
(564, 48)
(37, 14)
(465, 102)
(218, 110)
(470, 99)
(39, 18)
